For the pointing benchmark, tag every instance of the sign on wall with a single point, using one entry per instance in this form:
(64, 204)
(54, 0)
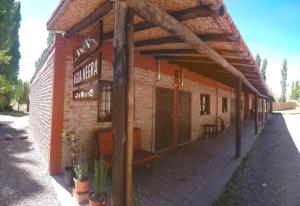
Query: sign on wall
(90, 92)
(87, 72)
(89, 45)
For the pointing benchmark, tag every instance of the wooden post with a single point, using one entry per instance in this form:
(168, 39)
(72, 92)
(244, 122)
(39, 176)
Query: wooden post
(217, 107)
(256, 114)
(176, 109)
(123, 105)
(130, 105)
(271, 106)
(238, 134)
(262, 111)
(266, 110)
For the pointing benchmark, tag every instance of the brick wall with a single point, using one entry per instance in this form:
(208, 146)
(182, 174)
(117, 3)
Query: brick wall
(40, 106)
(284, 106)
(82, 115)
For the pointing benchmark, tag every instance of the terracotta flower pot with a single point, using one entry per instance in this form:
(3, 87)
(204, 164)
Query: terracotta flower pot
(93, 202)
(81, 186)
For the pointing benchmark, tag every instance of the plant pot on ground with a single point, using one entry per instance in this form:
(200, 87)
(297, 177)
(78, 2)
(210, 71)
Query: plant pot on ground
(99, 197)
(81, 181)
(72, 142)
(68, 176)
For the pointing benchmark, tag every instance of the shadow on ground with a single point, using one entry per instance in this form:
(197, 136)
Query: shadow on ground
(19, 184)
(270, 174)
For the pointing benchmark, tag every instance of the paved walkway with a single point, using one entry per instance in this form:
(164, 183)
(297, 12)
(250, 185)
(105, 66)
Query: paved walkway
(23, 178)
(270, 175)
(193, 174)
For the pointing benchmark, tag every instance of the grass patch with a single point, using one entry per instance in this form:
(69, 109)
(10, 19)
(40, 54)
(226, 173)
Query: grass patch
(230, 194)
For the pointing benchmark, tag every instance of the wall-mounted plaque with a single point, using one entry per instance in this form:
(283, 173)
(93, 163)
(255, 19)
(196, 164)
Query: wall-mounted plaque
(90, 92)
(90, 44)
(87, 72)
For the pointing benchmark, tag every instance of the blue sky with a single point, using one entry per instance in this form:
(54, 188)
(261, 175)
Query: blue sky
(272, 29)
(269, 27)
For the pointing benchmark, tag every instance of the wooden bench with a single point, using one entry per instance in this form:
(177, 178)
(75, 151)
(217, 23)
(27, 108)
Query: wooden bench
(140, 156)
(209, 130)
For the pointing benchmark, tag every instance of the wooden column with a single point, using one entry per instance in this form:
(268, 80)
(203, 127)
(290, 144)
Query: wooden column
(217, 105)
(130, 106)
(271, 106)
(176, 108)
(238, 119)
(256, 114)
(266, 110)
(123, 105)
(262, 111)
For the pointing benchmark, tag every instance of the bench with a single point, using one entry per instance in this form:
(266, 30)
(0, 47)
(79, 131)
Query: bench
(209, 130)
(140, 156)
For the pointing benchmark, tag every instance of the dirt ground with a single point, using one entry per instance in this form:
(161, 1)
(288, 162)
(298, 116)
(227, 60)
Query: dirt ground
(270, 174)
(23, 178)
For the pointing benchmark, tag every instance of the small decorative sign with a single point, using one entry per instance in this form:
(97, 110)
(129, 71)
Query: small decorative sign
(88, 93)
(89, 45)
(87, 72)
(84, 49)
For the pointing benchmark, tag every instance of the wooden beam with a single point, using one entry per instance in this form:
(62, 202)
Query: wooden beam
(130, 105)
(209, 65)
(119, 120)
(238, 119)
(160, 18)
(172, 39)
(186, 14)
(256, 114)
(197, 59)
(93, 17)
(192, 51)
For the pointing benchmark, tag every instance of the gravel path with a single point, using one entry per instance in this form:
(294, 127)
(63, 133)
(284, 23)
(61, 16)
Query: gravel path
(270, 175)
(23, 178)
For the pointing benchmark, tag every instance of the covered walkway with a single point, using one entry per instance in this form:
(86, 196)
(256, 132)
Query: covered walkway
(193, 174)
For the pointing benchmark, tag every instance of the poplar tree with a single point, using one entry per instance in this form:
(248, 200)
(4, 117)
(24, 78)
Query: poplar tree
(283, 80)
(264, 69)
(258, 60)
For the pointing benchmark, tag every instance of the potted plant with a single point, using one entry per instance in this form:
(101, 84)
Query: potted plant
(223, 124)
(70, 139)
(99, 197)
(81, 180)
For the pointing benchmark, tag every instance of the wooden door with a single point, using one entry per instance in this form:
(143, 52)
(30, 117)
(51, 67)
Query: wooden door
(163, 118)
(232, 110)
(184, 129)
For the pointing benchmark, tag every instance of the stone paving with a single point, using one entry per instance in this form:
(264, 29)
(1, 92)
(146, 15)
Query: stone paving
(182, 174)
(271, 173)
(24, 179)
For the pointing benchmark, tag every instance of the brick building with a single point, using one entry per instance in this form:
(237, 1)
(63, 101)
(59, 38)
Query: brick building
(177, 89)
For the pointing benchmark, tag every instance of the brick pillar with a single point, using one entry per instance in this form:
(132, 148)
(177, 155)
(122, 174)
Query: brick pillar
(62, 48)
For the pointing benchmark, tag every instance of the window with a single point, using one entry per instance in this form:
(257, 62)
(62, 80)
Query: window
(105, 101)
(224, 105)
(204, 104)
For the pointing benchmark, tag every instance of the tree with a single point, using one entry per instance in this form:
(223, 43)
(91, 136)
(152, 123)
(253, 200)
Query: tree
(9, 40)
(258, 60)
(264, 69)
(283, 80)
(5, 22)
(6, 93)
(21, 92)
(295, 93)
